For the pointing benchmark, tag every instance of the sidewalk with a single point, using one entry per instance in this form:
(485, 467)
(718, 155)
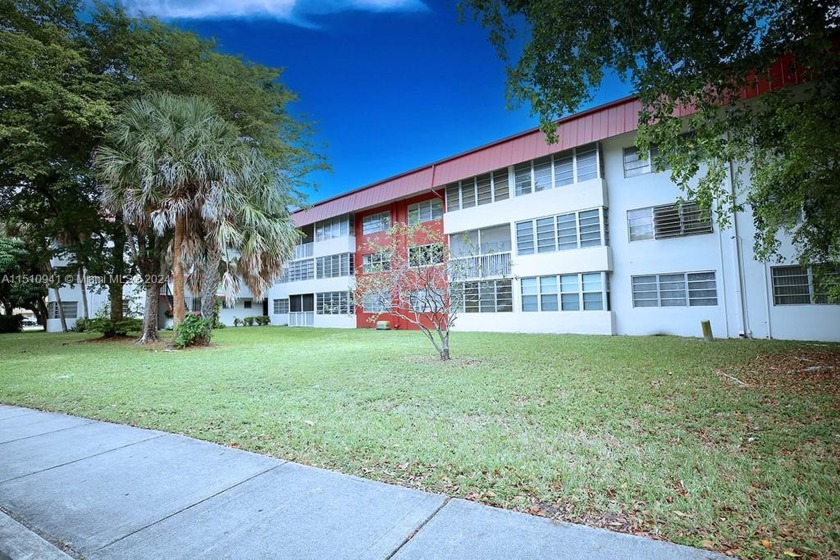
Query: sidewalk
(102, 491)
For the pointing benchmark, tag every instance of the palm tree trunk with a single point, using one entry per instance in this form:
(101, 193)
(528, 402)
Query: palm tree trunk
(179, 310)
(150, 313)
(83, 287)
(209, 282)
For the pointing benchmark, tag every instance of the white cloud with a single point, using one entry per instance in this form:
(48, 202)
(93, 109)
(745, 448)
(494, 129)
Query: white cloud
(289, 10)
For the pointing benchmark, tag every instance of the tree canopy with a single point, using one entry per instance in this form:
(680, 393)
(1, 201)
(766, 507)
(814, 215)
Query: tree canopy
(67, 69)
(701, 55)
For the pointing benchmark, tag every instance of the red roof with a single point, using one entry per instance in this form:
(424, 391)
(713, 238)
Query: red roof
(589, 126)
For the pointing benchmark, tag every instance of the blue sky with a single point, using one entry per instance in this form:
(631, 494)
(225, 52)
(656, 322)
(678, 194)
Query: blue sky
(391, 84)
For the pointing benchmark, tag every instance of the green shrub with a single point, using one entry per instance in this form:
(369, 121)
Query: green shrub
(249, 321)
(82, 325)
(11, 323)
(109, 328)
(194, 331)
(237, 321)
(263, 320)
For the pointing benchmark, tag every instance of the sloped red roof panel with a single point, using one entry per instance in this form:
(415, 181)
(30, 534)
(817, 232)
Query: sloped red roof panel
(586, 127)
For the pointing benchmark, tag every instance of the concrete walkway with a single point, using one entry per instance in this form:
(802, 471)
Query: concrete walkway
(100, 490)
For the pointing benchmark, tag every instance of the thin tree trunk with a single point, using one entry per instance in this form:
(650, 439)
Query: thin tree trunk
(83, 286)
(60, 309)
(179, 310)
(115, 287)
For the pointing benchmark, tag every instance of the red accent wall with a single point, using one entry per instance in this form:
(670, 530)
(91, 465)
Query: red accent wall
(399, 214)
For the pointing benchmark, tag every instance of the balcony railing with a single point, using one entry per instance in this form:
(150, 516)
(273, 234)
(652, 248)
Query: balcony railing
(301, 318)
(303, 251)
(481, 266)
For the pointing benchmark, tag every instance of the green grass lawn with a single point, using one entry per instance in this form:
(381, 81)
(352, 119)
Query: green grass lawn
(636, 434)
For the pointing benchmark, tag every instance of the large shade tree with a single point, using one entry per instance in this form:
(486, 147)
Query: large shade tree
(702, 56)
(63, 78)
(157, 169)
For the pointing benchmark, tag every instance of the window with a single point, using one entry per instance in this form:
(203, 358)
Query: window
(334, 303)
(376, 262)
(425, 255)
(297, 271)
(567, 292)
(193, 304)
(422, 301)
(485, 241)
(487, 296)
(559, 233)
(637, 164)
(70, 308)
(247, 303)
(281, 306)
(376, 223)
(794, 285)
(302, 303)
(679, 289)
(340, 226)
(525, 238)
(334, 266)
(477, 191)
(426, 211)
(376, 302)
(586, 162)
(667, 221)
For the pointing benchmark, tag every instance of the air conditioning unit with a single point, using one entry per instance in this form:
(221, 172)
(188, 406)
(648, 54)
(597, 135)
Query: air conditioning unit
(383, 325)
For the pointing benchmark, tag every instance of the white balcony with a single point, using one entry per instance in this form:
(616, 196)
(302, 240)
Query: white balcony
(482, 266)
(301, 318)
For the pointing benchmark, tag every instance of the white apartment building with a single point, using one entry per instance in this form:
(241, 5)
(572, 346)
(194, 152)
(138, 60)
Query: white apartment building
(582, 236)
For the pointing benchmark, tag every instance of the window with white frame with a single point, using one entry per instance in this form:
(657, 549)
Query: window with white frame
(486, 241)
(376, 262)
(679, 289)
(795, 285)
(297, 271)
(376, 223)
(567, 292)
(424, 301)
(485, 296)
(426, 211)
(334, 266)
(425, 255)
(334, 303)
(281, 306)
(635, 162)
(575, 230)
(70, 308)
(340, 226)
(668, 221)
(247, 304)
(376, 302)
(477, 191)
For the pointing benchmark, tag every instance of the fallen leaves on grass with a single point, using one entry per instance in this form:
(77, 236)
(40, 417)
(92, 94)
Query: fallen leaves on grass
(806, 371)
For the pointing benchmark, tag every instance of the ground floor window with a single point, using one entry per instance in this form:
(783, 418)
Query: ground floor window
(678, 289)
(566, 292)
(795, 285)
(487, 296)
(334, 303)
(70, 308)
(376, 302)
(281, 306)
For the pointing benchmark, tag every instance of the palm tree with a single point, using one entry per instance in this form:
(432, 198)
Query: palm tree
(162, 160)
(248, 231)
